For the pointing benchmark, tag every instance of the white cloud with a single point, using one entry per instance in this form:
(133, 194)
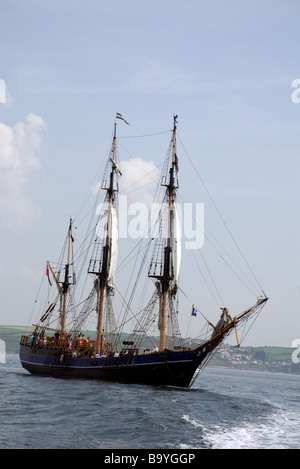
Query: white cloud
(138, 180)
(19, 147)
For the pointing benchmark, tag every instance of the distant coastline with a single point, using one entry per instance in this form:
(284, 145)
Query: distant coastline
(266, 358)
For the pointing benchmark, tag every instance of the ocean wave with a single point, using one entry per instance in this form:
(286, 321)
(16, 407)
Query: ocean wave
(279, 430)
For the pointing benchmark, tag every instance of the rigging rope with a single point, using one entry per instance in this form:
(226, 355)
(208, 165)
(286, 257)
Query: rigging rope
(82, 251)
(198, 310)
(220, 215)
(148, 135)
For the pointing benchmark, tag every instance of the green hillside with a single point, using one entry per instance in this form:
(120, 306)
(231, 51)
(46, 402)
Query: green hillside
(11, 336)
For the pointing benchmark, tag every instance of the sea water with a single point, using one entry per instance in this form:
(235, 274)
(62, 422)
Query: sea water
(225, 408)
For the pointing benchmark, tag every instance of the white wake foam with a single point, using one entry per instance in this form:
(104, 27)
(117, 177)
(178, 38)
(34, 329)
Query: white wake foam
(277, 431)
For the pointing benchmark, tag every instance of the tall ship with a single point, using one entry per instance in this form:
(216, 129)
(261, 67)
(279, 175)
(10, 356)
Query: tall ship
(152, 351)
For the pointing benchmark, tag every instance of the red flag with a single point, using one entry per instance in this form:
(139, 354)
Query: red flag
(47, 273)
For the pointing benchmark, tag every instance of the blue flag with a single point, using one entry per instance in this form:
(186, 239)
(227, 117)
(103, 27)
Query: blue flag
(194, 312)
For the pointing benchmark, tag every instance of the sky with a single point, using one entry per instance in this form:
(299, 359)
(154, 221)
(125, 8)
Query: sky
(229, 71)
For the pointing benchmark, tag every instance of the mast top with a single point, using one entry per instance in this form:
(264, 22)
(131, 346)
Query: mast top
(175, 117)
(174, 154)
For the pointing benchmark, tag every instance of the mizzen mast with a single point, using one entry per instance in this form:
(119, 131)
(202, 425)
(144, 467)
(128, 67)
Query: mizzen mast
(66, 283)
(63, 287)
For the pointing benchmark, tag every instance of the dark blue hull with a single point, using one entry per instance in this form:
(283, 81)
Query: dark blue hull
(172, 368)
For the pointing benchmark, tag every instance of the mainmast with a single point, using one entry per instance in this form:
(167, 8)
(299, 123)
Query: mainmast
(168, 270)
(100, 263)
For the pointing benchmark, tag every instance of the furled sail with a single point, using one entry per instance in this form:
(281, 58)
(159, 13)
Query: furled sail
(177, 241)
(113, 246)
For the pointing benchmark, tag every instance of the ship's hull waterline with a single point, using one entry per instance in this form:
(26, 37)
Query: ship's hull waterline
(168, 368)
